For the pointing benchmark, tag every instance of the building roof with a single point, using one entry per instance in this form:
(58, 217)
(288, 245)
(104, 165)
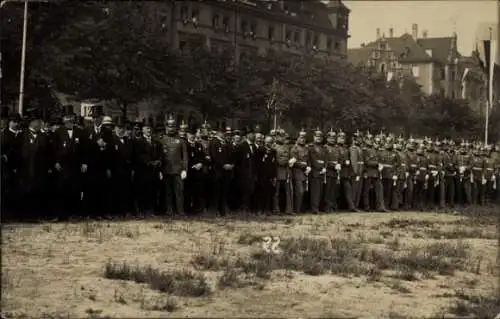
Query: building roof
(440, 47)
(407, 50)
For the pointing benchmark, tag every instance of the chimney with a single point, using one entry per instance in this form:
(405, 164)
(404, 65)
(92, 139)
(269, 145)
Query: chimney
(391, 33)
(454, 41)
(414, 31)
(425, 33)
(378, 33)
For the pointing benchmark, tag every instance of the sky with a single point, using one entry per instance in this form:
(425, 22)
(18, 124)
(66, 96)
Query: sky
(439, 18)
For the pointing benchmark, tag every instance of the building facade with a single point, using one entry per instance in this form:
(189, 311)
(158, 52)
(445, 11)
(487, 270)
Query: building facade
(433, 62)
(256, 26)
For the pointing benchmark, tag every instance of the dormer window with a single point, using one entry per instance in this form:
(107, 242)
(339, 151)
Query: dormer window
(316, 41)
(308, 38)
(288, 38)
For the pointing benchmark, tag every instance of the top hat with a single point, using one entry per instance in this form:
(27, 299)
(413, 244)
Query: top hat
(170, 121)
(97, 111)
(318, 133)
(15, 117)
(121, 121)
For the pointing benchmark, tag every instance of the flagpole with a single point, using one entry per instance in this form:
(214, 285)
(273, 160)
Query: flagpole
(489, 101)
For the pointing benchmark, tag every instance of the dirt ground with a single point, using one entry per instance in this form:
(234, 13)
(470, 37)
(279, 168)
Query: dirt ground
(58, 270)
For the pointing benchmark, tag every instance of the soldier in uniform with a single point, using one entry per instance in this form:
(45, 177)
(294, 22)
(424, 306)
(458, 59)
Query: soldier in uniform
(346, 172)
(149, 154)
(244, 170)
(298, 162)
(478, 169)
(357, 164)
(435, 184)
(372, 180)
(487, 189)
(207, 175)
(194, 181)
(463, 179)
(388, 168)
(333, 159)
(317, 176)
(69, 161)
(421, 179)
(413, 168)
(450, 171)
(283, 189)
(10, 143)
(222, 160)
(496, 179)
(174, 168)
(125, 160)
(402, 174)
(266, 171)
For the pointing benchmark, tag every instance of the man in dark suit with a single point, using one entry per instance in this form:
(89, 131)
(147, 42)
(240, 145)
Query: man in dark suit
(147, 175)
(194, 181)
(266, 172)
(174, 167)
(33, 169)
(244, 167)
(69, 162)
(222, 165)
(123, 168)
(10, 140)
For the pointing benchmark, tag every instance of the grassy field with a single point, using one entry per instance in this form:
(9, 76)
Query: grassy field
(372, 265)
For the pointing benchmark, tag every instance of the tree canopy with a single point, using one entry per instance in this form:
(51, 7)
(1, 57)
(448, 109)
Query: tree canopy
(120, 52)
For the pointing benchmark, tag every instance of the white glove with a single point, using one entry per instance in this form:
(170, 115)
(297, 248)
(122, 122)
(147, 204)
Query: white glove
(434, 173)
(198, 166)
(160, 176)
(58, 167)
(308, 170)
(323, 171)
(483, 181)
(292, 161)
(320, 162)
(426, 176)
(183, 175)
(407, 174)
(108, 173)
(417, 173)
(337, 167)
(394, 178)
(461, 169)
(380, 167)
(493, 178)
(84, 168)
(347, 162)
(357, 178)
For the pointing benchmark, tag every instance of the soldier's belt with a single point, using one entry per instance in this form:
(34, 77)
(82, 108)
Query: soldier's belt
(361, 163)
(387, 165)
(403, 164)
(490, 169)
(432, 166)
(423, 168)
(477, 169)
(414, 165)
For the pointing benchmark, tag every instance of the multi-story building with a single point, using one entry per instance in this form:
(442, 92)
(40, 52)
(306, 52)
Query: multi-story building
(255, 26)
(433, 62)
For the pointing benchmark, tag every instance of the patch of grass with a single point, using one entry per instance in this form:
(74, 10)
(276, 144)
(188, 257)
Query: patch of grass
(212, 262)
(405, 223)
(234, 278)
(181, 283)
(163, 303)
(477, 306)
(460, 233)
(398, 286)
(249, 239)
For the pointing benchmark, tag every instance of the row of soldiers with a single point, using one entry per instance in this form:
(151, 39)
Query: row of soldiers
(64, 168)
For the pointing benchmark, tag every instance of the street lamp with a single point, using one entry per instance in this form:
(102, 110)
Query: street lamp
(23, 50)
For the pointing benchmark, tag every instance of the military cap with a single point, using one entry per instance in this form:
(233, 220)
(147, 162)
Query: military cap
(369, 135)
(107, 120)
(411, 140)
(205, 125)
(273, 132)
(97, 111)
(237, 132)
(68, 110)
(340, 133)
(228, 130)
(332, 133)
(170, 121)
(257, 129)
(302, 133)
(357, 134)
(183, 126)
(318, 133)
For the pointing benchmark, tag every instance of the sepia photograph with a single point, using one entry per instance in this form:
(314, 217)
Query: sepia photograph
(250, 159)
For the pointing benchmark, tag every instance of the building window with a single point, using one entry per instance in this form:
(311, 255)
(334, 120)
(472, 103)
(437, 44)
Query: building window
(337, 45)
(316, 41)
(382, 46)
(184, 13)
(329, 45)
(225, 24)
(288, 38)
(415, 70)
(243, 26)
(296, 38)
(216, 22)
(270, 33)
(253, 30)
(195, 14)
(442, 71)
(382, 68)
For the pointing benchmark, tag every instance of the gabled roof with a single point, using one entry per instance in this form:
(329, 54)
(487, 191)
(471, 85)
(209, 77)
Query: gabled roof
(440, 47)
(406, 43)
(360, 55)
